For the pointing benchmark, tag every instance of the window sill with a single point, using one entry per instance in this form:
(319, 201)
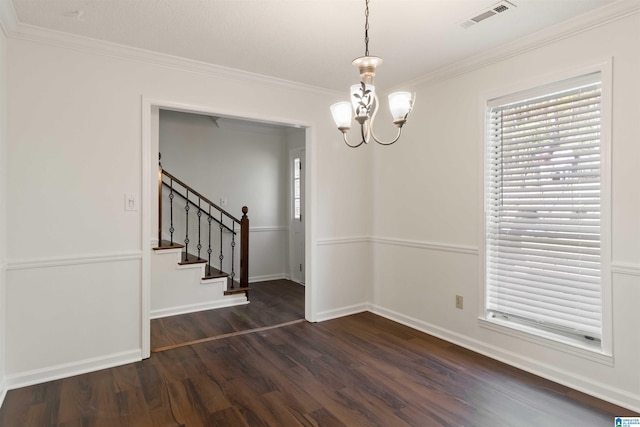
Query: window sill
(574, 347)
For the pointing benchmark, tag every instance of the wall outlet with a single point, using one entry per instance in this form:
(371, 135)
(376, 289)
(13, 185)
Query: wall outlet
(459, 302)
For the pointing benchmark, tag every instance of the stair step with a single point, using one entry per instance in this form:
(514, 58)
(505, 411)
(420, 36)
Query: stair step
(213, 273)
(234, 287)
(166, 244)
(236, 291)
(191, 259)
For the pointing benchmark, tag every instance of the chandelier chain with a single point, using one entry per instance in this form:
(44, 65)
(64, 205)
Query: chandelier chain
(366, 28)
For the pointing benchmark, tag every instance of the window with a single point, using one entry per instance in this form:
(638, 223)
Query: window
(296, 187)
(543, 210)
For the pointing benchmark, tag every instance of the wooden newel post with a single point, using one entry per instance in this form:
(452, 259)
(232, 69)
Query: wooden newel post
(244, 248)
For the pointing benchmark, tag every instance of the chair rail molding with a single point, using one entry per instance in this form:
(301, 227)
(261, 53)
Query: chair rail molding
(432, 246)
(625, 268)
(27, 264)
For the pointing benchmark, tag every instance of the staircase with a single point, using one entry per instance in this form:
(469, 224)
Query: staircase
(199, 237)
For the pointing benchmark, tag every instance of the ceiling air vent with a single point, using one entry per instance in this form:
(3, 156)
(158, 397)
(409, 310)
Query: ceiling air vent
(496, 9)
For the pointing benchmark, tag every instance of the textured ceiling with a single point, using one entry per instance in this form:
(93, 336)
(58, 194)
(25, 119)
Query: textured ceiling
(306, 41)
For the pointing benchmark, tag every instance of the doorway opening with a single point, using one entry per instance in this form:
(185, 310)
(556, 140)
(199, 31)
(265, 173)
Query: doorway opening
(151, 147)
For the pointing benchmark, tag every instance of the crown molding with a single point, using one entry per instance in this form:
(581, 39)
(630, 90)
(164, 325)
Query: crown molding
(17, 30)
(593, 19)
(588, 21)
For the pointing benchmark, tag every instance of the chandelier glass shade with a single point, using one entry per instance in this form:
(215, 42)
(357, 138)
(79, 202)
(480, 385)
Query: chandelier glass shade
(364, 100)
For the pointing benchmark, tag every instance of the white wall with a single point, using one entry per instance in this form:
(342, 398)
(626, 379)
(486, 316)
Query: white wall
(428, 212)
(3, 192)
(74, 255)
(246, 164)
(395, 227)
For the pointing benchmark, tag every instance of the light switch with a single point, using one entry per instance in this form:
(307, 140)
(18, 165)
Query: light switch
(223, 202)
(130, 202)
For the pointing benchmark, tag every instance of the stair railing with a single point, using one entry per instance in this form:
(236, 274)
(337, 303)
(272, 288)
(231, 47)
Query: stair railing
(226, 222)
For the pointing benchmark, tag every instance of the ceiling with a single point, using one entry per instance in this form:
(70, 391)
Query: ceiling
(306, 41)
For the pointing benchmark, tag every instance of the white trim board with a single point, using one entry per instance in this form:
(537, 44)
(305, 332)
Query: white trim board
(267, 277)
(593, 19)
(38, 376)
(32, 33)
(3, 391)
(263, 229)
(608, 13)
(229, 301)
(28, 264)
(625, 268)
(440, 247)
(342, 312)
(417, 244)
(579, 383)
(343, 240)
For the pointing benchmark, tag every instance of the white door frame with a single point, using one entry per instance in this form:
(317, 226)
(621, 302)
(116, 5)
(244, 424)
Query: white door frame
(150, 150)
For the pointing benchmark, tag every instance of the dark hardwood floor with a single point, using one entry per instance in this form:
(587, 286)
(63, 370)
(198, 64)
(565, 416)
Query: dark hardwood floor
(272, 303)
(360, 370)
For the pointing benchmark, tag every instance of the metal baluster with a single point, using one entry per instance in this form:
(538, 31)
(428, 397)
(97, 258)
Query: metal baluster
(209, 250)
(233, 249)
(221, 256)
(186, 239)
(171, 196)
(199, 219)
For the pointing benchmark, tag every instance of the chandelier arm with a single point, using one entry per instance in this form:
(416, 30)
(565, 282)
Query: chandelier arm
(387, 142)
(372, 121)
(346, 141)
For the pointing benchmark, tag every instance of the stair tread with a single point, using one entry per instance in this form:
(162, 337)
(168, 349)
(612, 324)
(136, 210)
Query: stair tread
(213, 273)
(166, 244)
(191, 259)
(236, 291)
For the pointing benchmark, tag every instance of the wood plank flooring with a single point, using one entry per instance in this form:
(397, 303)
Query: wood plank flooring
(360, 370)
(272, 302)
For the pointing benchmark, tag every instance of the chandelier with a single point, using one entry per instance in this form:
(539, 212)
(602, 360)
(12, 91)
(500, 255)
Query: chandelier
(364, 99)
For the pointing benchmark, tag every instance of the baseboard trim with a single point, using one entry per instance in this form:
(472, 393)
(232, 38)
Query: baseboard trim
(229, 301)
(341, 312)
(267, 277)
(3, 392)
(38, 376)
(579, 383)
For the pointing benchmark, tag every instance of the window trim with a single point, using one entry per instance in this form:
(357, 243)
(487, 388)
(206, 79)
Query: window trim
(602, 353)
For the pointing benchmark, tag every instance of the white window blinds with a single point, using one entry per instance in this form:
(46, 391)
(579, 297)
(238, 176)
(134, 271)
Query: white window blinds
(542, 200)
